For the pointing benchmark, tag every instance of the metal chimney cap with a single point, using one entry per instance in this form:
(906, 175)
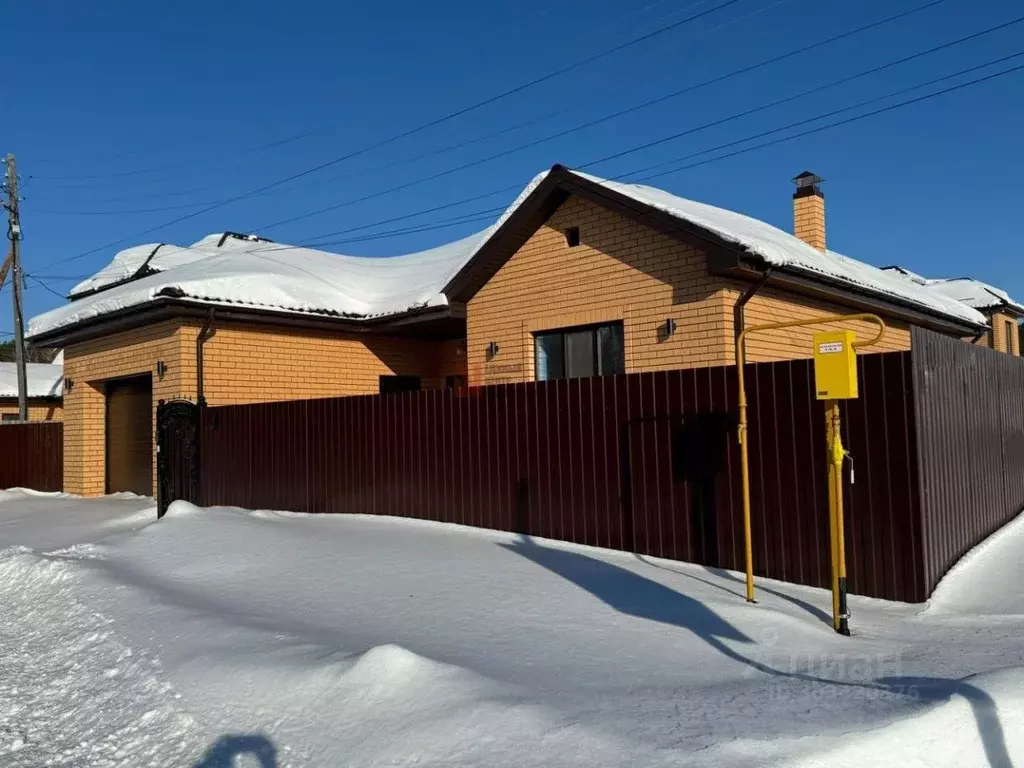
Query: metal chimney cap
(807, 179)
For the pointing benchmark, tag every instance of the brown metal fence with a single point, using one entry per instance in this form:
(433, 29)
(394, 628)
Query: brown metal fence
(32, 455)
(970, 415)
(644, 462)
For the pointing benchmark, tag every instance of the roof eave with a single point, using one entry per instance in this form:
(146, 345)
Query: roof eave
(166, 308)
(836, 291)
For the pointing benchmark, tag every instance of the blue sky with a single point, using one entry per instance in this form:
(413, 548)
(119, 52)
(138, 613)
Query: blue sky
(123, 114)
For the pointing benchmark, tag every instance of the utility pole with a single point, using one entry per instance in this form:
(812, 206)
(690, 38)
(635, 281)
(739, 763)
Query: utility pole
(14, 235)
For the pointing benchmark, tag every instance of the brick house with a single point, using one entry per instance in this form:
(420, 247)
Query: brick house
(1002, 312)
(45, 390)
(580, 276)
(664, 276)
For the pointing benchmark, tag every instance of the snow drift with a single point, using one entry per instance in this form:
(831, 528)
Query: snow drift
(298, 640)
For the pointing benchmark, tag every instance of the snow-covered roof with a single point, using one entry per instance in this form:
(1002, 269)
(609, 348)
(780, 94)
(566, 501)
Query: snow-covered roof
(245, 271)
(43, 379)
(967, 290)
(781, 249)
(265, 275)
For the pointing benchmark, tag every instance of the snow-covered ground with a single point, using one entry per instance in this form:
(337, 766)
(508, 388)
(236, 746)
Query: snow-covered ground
(223, 637)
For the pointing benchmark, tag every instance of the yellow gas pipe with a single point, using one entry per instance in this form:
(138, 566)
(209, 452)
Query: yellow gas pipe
(832, 425)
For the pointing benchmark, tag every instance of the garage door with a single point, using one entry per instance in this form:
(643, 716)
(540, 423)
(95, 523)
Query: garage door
(130, 435)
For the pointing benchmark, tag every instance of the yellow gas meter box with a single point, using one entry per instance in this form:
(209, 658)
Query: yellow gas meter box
(835, 365)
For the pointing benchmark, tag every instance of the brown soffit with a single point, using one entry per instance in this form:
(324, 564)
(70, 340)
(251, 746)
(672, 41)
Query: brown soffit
(417, 322)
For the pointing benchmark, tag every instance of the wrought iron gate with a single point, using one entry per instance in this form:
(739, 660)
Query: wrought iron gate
(177, 464)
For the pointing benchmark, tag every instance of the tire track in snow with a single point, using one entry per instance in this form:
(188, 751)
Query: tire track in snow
(71, 694)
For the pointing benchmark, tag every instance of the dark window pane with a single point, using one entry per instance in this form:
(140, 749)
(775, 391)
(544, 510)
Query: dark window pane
(390, 385)
(579, 354)
(550, 356)
(610, 350)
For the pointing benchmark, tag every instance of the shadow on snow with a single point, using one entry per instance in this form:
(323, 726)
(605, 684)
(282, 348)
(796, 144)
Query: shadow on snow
(632, 594)
(222, 753)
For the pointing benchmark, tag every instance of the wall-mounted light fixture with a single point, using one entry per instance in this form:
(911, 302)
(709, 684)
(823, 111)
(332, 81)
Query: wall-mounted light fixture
(68, 384)
(669, 327)
(161, 368)
(492, 350)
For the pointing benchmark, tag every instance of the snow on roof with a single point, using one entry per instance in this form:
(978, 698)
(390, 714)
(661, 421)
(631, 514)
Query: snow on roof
(782, 249)
(141, 260)
(43, 379)
(136, 261)
(282, 277)
(246, 271)
(966, 290)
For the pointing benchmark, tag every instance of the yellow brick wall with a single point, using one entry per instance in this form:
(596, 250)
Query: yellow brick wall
(243, 364)
(774, 306)
(37, 411)
(809, 220)
(620, 271)
(1004, 342)
(625, 271)
(250, 364)
(89, 364)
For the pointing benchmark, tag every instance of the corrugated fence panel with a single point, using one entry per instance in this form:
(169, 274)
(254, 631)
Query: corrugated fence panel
(647, 463)
(32, 455)
(970, 441)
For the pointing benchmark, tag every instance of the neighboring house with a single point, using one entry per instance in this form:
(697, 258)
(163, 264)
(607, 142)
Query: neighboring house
(45, 390)
(1003, 313)
(579, 277)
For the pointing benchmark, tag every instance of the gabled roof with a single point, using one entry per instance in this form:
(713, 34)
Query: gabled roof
(973, 293)
(752, 238)
(43, 379)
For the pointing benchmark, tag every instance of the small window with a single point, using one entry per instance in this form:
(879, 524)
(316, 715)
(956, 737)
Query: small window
(572, 353)
(1011, 332)
(390, 385)
(10, 417)
(572, 236)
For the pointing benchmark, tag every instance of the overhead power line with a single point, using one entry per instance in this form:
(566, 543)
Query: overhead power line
(499, 96)
(847, 121)
(660, 99)
(273, 143)
(422, 127)
(460, 145)
(810, 91)
(723, 120)
(488, 214)
(320, 240)
(39, 282)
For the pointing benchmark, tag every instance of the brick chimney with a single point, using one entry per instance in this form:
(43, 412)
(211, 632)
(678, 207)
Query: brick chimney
(809, 210)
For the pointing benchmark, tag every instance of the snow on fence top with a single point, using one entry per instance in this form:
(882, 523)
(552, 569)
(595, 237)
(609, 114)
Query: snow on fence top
(43, 379)
(966, 290)
(226, 269)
